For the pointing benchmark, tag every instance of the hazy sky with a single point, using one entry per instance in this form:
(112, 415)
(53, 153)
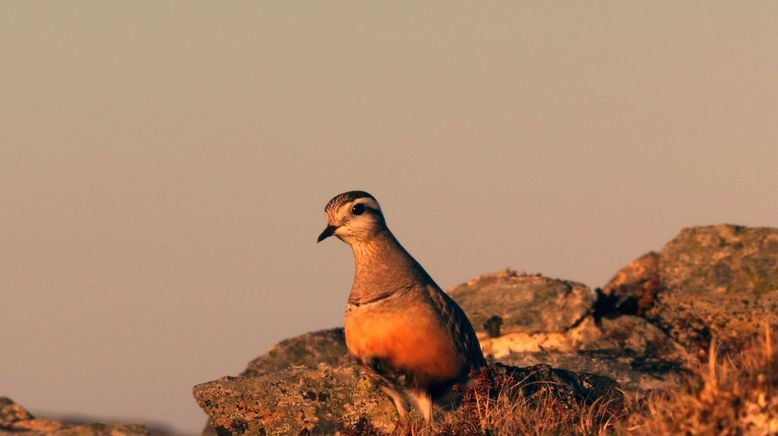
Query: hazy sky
(164, 165)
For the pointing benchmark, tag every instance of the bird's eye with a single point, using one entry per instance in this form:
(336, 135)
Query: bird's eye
(358, 209)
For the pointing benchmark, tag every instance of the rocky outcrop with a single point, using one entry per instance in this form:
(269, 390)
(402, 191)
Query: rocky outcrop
(285, 391)
(326, 399)
(642, 330)
(563, 327)
(15, 419)
(717, 281)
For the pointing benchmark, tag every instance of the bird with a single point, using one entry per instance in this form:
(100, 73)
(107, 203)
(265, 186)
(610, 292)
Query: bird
(415, 342)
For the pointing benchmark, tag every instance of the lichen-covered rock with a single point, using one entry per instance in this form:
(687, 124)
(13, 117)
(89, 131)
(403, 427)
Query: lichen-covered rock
(721, 259)
(296, 400)
(629, 349)
(521, 303)
(717, 281)
(326, 399)
(310, 349)
(14, 419)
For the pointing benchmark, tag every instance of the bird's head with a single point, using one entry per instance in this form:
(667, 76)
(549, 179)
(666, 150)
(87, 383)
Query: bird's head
(353, 217)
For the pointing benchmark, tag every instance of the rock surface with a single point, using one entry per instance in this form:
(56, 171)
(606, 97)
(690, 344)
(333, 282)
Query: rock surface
(569, 328)
(14, 419)
(310, 349)
(717, 281)
(282, 392)
(721, 259)
(326, 399)
(523, 303)
(317, 400)
(629, 349)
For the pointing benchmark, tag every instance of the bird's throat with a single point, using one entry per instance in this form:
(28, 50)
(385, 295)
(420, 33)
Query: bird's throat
(383, 266)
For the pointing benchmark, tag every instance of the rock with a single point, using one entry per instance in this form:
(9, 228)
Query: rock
(633, 289)
(523, 303)
(326, 399)
(722, 259)
(633, 374)
(636, 354)
(11, 413)
(541, 315)
(310, 349)
(567, 387)
(297, 400)
(286, 392)
(635, 336)
(15, 419)
(717, 281)
(570, 340)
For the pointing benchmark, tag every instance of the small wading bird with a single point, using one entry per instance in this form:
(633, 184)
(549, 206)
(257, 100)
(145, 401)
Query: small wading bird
(414, 339)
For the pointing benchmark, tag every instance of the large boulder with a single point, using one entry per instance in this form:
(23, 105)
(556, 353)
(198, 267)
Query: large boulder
(723, 259)
(717, 282)
(507, 302)
(519, 313)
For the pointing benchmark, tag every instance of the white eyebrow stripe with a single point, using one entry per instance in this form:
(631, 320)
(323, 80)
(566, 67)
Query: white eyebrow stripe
(369, 202)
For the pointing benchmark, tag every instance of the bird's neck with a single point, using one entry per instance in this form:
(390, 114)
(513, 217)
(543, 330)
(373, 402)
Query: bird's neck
(383, 267)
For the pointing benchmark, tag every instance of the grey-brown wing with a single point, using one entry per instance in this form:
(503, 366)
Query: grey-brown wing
(459, 326)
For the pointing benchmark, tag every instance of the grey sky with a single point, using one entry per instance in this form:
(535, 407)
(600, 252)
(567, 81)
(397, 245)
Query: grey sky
(164, 165)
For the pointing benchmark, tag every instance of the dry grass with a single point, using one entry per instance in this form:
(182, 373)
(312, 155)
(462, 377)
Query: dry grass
(733, 394)
(500, 405)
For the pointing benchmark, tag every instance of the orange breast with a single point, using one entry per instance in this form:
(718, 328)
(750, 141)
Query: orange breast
(412, 340)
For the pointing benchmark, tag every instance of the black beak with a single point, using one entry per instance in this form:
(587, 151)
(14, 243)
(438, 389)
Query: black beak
(329, 231)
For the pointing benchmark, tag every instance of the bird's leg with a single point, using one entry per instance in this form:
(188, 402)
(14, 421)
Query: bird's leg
(423, 401)
(399, 402)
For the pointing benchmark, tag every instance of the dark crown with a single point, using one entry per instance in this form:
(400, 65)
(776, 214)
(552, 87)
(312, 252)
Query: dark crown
(344, 198)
